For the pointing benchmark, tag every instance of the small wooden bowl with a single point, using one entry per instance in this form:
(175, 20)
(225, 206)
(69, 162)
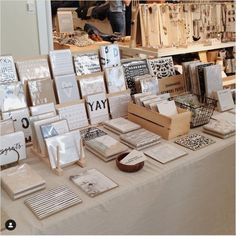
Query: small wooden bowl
(128, 168)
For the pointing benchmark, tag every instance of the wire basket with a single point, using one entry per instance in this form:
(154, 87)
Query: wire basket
(201, 107)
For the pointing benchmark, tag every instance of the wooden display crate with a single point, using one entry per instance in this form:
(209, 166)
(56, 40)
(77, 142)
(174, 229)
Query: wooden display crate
(166, 127)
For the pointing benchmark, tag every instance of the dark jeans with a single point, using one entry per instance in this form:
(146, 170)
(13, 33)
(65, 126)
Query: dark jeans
(117, 21)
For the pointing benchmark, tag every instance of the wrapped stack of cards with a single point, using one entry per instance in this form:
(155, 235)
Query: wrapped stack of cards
(19, 181)
(140, 139)
(121, 125)
(105, 147)
(220, 128)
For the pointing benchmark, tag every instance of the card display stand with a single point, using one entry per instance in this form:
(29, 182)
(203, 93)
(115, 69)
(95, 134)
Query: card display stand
(166, 127)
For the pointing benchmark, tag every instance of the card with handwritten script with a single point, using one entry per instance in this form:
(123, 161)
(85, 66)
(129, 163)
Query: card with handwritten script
(12, 147)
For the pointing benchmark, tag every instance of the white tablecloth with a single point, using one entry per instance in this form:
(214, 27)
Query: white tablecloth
(191, 195)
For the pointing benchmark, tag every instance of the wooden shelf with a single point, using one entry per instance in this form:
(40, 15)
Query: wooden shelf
(126, 51)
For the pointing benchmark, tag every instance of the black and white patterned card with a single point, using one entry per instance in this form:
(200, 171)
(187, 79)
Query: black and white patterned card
(194, 141)
(133, 69)
(7, 69)
(110, 55)
(91, 133)
(161, 67)
(86, 63)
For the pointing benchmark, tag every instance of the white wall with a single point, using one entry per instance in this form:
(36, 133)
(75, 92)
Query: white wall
(19, 28)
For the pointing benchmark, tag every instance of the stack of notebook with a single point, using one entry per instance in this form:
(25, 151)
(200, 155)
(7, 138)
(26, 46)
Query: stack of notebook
(140, 139)
(120, 125)
(220, 128)
(105, 147)
(20, 181)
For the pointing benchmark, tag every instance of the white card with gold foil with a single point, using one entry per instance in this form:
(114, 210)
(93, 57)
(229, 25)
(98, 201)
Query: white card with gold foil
(12, 147)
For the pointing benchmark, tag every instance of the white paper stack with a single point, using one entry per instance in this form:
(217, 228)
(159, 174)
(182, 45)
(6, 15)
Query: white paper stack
(140, 139)
(105, 147)
(220, 128)
(19, 181)
(121, 125)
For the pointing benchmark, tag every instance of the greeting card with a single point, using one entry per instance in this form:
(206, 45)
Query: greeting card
(67, 88)
(7, 70)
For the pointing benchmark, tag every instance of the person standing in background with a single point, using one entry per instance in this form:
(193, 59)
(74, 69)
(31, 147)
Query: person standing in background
(117, 15)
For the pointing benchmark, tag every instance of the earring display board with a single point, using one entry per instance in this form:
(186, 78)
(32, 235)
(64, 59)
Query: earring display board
(52, 201)
(33, 69)
(121, 98)
(12, 148)
(74, 113)
(41, 91)
(97, 108)
(43, 108)
(67, 88)
(21, 122)
(6, 127)
(28, 181)
(132, 69)
(92, 83)
(115, 79)
(61, 62)
(161, 67)
(86, 63)
(93, 182)
(110, 55)
(7, 69)
(69, 148)
(180, 25)
(12, 96)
